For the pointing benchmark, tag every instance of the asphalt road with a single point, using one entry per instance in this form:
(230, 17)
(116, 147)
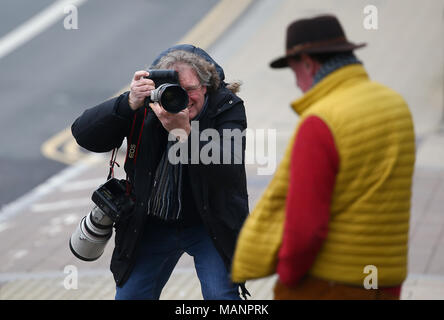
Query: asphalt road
(48, 81)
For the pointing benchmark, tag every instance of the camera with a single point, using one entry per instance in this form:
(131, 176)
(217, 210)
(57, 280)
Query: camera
(171, 96)
(92, 234)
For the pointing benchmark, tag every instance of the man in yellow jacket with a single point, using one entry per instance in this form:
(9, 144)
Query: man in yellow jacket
(334, 221)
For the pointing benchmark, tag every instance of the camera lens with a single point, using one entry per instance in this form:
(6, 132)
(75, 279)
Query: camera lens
(172, 97)
(91, 236)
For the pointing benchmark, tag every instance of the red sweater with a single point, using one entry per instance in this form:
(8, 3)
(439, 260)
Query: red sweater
(313, 169)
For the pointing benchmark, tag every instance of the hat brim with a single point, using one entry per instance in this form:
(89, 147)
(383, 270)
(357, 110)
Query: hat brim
(282, 62)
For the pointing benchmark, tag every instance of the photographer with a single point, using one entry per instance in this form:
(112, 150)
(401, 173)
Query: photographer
(188, 207)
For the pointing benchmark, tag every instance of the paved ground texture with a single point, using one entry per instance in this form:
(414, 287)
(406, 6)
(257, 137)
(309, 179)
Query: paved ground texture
(405, 52)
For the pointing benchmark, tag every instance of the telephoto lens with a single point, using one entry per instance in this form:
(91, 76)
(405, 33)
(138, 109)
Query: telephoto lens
(91, 236)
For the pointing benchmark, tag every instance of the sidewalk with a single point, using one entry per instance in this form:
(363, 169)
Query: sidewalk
(37, 253)
(35, 230)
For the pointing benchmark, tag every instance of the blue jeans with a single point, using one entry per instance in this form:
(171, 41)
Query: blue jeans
(160, 249)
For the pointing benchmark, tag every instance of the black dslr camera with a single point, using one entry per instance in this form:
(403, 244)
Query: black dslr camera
(112, 199)
(171, 96)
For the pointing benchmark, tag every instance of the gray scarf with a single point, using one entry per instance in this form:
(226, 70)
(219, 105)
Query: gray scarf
(338, 61)
(166, 197)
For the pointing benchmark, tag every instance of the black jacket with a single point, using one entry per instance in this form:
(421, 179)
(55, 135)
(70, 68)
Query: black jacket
(219, 190)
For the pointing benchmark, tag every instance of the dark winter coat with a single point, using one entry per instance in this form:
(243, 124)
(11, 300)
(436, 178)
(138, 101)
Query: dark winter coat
(219, 190)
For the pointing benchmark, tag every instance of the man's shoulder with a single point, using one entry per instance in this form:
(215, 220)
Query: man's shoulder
(223, 100)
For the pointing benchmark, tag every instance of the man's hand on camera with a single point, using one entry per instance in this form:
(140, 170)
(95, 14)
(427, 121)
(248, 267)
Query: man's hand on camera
(140, 89)
(176, 123)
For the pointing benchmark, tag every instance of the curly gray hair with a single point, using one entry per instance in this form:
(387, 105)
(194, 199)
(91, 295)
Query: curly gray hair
(205, 71)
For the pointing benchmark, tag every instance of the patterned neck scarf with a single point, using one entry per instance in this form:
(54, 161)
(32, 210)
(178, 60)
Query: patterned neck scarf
(166, 196)
(334, 64)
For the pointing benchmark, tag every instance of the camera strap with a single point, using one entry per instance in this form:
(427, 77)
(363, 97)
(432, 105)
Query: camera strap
(131, 152)
(112, 162)
(133, 149)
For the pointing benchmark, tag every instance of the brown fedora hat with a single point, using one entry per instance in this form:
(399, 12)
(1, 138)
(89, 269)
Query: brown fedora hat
(322, 34)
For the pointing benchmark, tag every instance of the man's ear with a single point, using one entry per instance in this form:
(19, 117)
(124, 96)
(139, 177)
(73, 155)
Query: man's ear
(306, 62)
(311, 65)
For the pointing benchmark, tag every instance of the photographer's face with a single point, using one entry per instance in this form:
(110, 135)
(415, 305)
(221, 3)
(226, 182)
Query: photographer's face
(196, 92)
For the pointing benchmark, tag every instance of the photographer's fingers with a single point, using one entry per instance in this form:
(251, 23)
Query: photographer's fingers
(143, 82)
(140, 74)
(186, 113)
(176, 123)
(158, 110)
(140, 88)
(144, 90)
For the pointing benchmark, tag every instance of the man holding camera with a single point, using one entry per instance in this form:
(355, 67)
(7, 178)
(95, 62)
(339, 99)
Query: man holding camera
(191, 207)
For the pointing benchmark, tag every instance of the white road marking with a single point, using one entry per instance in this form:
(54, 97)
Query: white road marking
(60, 205)
(49, 186)
(83, 185)
(35, 26)
(70, 219)
(57, 224)
(4, 226)
(19, 254)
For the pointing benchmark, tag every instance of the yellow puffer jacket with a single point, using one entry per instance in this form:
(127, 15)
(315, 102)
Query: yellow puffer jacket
(369, 215)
